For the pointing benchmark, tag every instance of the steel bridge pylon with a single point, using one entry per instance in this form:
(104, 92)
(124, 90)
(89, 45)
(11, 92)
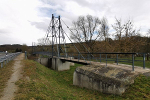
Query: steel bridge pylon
(56, 35)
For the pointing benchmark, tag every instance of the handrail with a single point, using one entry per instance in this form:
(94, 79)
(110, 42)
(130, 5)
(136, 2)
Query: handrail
(100, 59)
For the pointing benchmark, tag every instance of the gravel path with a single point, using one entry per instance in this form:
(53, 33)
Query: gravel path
(9, 91)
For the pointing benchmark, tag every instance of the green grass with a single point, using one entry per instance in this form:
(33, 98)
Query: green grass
(41, 83)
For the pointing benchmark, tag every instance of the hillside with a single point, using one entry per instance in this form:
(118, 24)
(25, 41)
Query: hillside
(40, 83)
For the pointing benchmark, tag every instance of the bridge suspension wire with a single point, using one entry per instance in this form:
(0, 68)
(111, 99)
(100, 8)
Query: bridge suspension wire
(57, 37)
(74, 45)
(80, 42)
(57, 33)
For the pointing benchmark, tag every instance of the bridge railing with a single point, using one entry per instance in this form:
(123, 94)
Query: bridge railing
(109, 57)
(103, 57)
(5, 59)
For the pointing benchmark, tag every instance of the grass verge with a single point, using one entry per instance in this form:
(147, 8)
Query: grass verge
(41, 83)
(5, 74)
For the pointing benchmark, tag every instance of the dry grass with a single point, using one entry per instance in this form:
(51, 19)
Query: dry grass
(5, 74)
(41, 83)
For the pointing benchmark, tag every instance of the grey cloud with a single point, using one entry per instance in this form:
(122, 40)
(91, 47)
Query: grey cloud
(41, 25)
(4, 31)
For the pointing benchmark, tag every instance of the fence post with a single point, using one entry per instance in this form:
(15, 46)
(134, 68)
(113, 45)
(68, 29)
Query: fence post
(25, 55)
(132, 62)
(106, 60)
(100, 57)
(96, 59)
(78, 57)
(88, 57)
(143, 61)
(147, 56)
(1, 64)
(117, 59)
(5, 61)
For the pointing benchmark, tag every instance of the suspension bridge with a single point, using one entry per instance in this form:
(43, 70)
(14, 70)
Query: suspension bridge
(102, 71)
(54, 46)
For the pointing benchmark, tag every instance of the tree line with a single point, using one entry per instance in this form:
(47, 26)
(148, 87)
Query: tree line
(94, 34)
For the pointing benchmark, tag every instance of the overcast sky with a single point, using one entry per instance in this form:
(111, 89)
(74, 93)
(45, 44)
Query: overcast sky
(25, 21)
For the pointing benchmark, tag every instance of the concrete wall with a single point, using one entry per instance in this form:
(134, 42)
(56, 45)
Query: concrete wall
(43, 61)
(96, 84)
(54, 63)
(60, 65)
(103, 79)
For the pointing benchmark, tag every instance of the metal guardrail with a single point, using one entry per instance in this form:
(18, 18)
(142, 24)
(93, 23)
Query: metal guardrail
(4, 60)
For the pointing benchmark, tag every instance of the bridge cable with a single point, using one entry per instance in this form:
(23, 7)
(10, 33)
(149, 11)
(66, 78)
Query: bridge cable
(80, 42)
(74, 46)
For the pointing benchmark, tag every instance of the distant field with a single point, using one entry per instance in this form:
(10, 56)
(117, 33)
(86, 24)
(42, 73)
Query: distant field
(40, 83)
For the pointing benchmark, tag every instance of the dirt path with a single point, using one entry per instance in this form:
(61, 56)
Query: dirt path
(9, 91)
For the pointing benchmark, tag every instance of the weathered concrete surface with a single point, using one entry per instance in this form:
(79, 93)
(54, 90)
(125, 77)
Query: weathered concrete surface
(43, 61)
(104, 79)
(60, 65)
(54, 63)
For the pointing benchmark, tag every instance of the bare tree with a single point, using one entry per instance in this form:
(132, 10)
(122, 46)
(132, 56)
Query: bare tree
(119, 29)
(104, 28)
(86, 29)
(104, 31)
(44, 44)
(128, 38)
(148, 33)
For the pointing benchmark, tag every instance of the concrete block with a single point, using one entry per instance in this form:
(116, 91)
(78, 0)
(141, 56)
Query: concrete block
(44, 61)
(77, 79)
(96, 84)
(84, 81)
(62, 65)
(101, 79)
(54, 63)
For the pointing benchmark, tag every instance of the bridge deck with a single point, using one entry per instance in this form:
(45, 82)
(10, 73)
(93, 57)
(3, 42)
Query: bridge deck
(76, 61)
(121, 66)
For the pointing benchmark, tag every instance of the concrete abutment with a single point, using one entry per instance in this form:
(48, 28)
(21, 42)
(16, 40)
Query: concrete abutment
(55, 63)
(103, 79)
